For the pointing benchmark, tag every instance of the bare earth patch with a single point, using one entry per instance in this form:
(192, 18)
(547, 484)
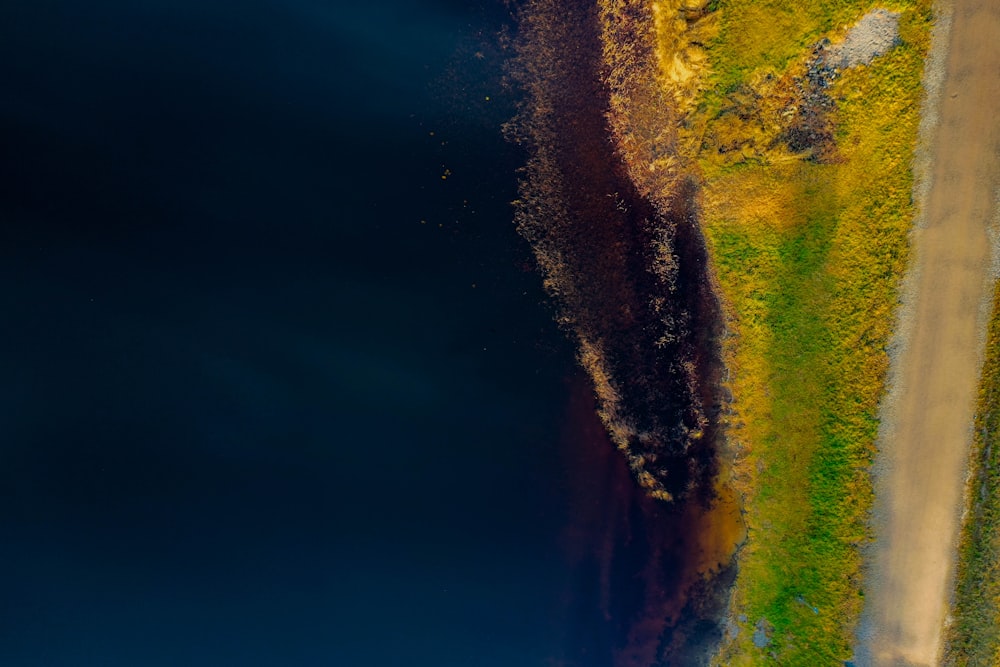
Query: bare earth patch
(928, 415)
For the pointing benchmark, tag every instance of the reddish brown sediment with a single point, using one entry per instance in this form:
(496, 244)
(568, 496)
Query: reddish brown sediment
(629, 275)
(625, 262)
(650, 579)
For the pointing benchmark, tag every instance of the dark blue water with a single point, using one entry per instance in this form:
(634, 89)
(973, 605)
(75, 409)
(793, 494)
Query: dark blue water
(273, 392)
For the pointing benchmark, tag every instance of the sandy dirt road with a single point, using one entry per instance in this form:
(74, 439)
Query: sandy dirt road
(928, 415)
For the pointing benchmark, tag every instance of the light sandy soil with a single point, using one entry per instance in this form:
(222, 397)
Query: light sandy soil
(928, 415)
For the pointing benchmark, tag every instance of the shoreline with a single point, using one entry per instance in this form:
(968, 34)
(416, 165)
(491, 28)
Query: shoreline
(627, 269)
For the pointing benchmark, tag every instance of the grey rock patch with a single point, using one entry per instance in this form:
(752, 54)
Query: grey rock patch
(732, 629)
(872, 36)
(762, 634)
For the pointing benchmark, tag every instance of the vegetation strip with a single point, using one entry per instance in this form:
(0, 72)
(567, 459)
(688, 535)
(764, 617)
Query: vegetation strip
(806, 208)
(973, 637)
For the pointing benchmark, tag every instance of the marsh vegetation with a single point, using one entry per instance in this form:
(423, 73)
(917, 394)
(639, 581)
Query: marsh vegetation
(742, 134)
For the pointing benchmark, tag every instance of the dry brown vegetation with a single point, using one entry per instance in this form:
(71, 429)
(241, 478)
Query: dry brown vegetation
(624, 260)
(627, 269)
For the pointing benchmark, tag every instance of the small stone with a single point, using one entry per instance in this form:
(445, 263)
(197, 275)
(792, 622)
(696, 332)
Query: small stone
(761, 636)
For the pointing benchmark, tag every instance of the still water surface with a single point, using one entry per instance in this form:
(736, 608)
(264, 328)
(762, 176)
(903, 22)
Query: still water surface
(275, 392)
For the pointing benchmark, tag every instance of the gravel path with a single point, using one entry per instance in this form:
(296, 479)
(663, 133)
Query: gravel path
(927, 416)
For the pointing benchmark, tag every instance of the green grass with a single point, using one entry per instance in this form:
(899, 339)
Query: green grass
(808, 256)
(974, 637)
(767, 35)
(808, 250)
